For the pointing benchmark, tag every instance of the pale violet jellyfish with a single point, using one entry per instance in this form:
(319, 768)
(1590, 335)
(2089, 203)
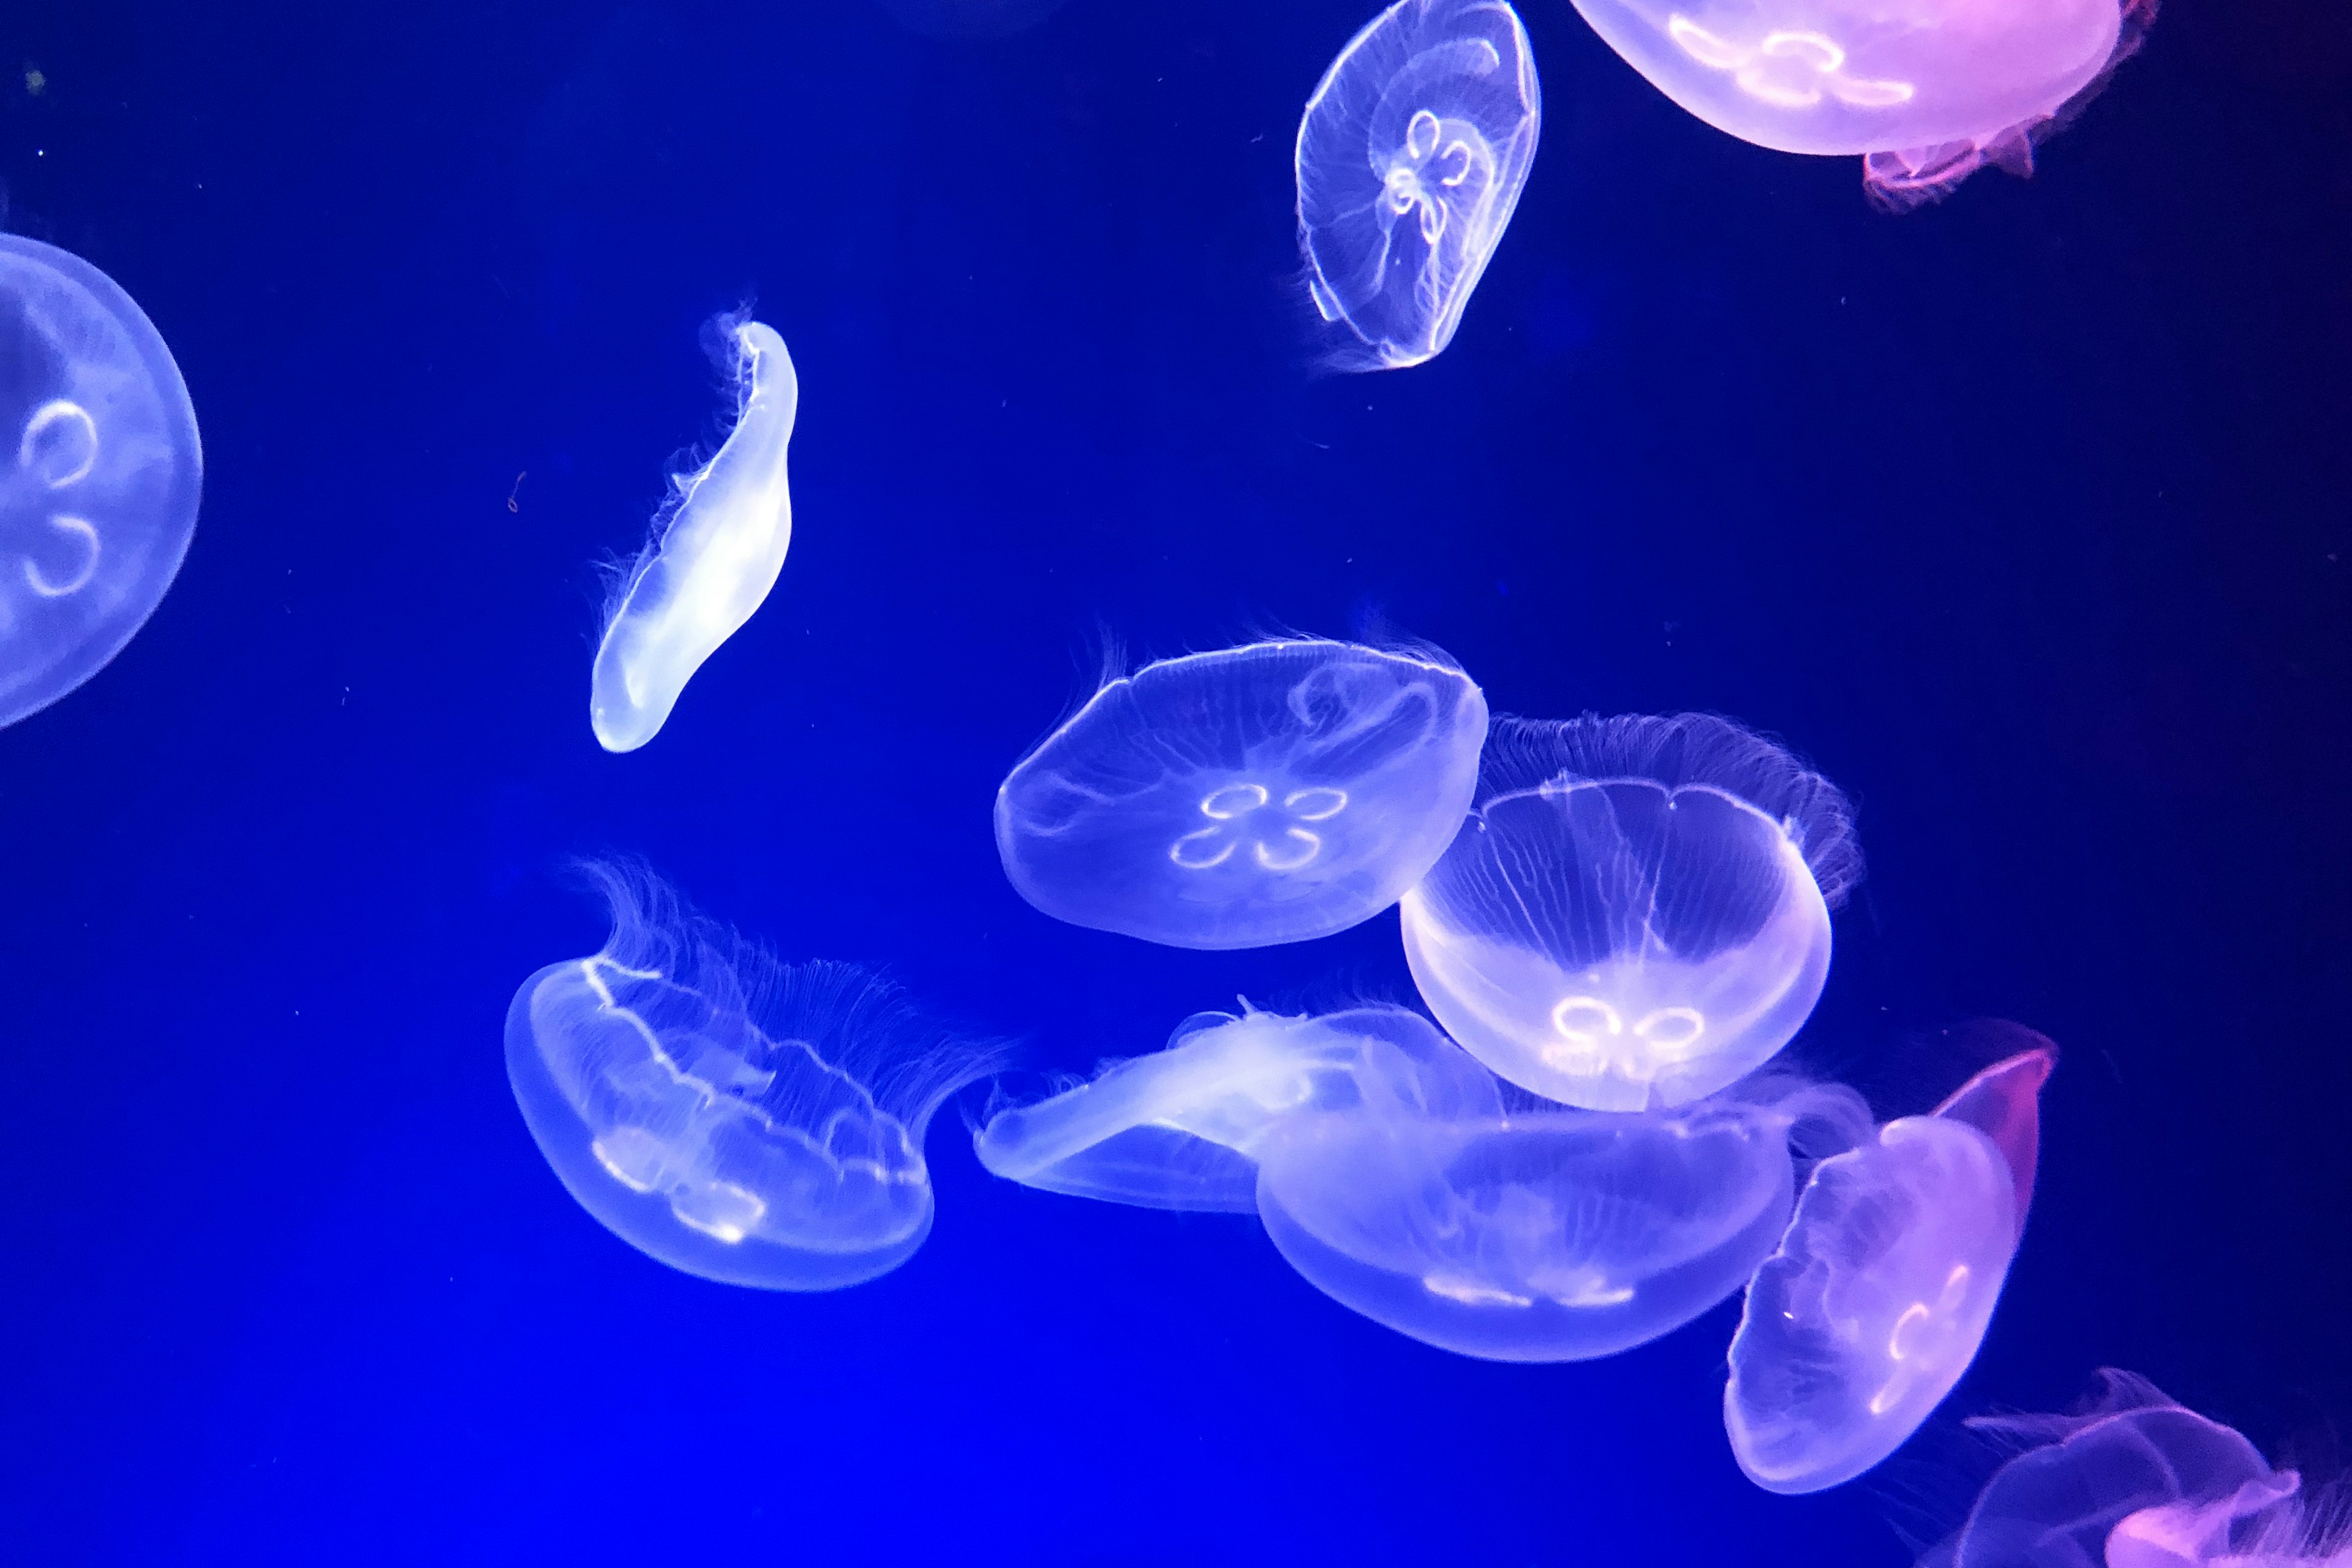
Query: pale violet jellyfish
(1637, 912)
(716, 552)
(1878, 1297)
(1258, 795)
(1925, 91)
(750, 1121)
(98, 496)
(2134, 1480)
(1410, 158)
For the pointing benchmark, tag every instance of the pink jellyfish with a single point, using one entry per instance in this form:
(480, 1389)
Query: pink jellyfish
(1927, 91)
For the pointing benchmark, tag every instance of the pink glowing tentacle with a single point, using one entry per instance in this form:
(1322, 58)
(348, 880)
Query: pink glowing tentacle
(2004, 1103)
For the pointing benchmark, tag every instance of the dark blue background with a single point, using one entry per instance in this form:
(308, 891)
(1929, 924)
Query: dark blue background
(2024, 517)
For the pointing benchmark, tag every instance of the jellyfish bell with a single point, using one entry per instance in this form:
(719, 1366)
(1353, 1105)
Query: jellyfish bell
(1927, 90)
(1636, 912)
(749, 1121)
(1410, 159)
(1272, 792)
(1878, 1297)
(715, 555)
(100, 472)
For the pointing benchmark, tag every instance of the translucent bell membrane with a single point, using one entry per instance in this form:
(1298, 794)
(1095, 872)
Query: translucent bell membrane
(1860, 76)
(1623, 941)
(99, 473)
(1410, 158)
(712, 560)
(1261, 794)
(1546, 1237)
(738, 1148)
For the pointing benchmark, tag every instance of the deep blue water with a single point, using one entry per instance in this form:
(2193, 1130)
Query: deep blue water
(2023, 517)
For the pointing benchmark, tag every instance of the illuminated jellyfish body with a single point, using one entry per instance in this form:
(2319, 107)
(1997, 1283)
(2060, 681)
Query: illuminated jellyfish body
(1637, 912)
(749, 1121)
(1927, 90)
(715, 553)
(2133, 1481)
(1878, 1297)
(100, 479)
(1259, 795)
(1410, 157)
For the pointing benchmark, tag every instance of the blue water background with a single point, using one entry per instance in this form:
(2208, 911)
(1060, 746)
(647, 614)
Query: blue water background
(2024, 518)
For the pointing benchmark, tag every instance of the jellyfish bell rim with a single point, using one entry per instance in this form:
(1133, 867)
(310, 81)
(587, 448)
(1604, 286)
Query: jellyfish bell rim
(563, 1140)
(176, 405)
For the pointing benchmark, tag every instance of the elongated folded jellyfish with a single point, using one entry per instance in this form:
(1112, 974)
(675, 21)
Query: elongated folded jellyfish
(1878, 1297)
(2132, 1480)
(1411, 159)
(1637, 912)
(750, 1121)
(716, 552)
(1927, 92)
(1259, 795)
(98, 500)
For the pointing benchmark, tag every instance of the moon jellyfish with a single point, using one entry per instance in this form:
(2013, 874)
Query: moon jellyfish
(750, 1121)
(1879, 1295)
(2105, 1488)
(99, 501)
(1255, 795)
(716, 551)
(1927, 90)
(2265, 1523)
(1410, 157)
(1637, 913)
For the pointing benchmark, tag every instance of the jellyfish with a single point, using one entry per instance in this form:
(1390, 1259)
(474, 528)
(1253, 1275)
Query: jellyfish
(98, 504)
(746, 1120)
(2131, 1476)
(716, 551)
(1637, 912)
(1879, 1295)
(1259, 795)
(1410, 157)
(1927, 90)
(2265, 1523)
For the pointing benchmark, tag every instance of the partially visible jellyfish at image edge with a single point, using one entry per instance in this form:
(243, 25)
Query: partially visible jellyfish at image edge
(1636, 913)
(1878, 1298)
(98, 482)
(737, 1118)
(717, 548)
(1410, 158)
(2135, 1480)
(1927, 92)
(1267, 794)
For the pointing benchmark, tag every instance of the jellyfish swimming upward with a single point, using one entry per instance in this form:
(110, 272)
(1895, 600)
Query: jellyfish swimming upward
(1637, 912)
(1925, 91)
(750, 1121)
(1260, 795)
(717, 551)
(100, 479)
(1410, 158)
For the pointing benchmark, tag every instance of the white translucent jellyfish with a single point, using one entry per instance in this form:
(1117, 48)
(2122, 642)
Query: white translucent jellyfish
(1927, 90)
(1637, 913)
(1410, 157)
(749, 1121)
(2133, 1481)
(98, 500)
(1258, 795)
(1879, 1295)
(715, 553)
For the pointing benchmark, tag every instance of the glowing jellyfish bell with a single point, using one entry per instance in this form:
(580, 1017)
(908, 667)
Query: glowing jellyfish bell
(1927, 90)
(1877, 1298)
(1637, 912)
(715, 553)
(1410, 158)
(99, 477)
(749, 1121)
(1259, 795)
